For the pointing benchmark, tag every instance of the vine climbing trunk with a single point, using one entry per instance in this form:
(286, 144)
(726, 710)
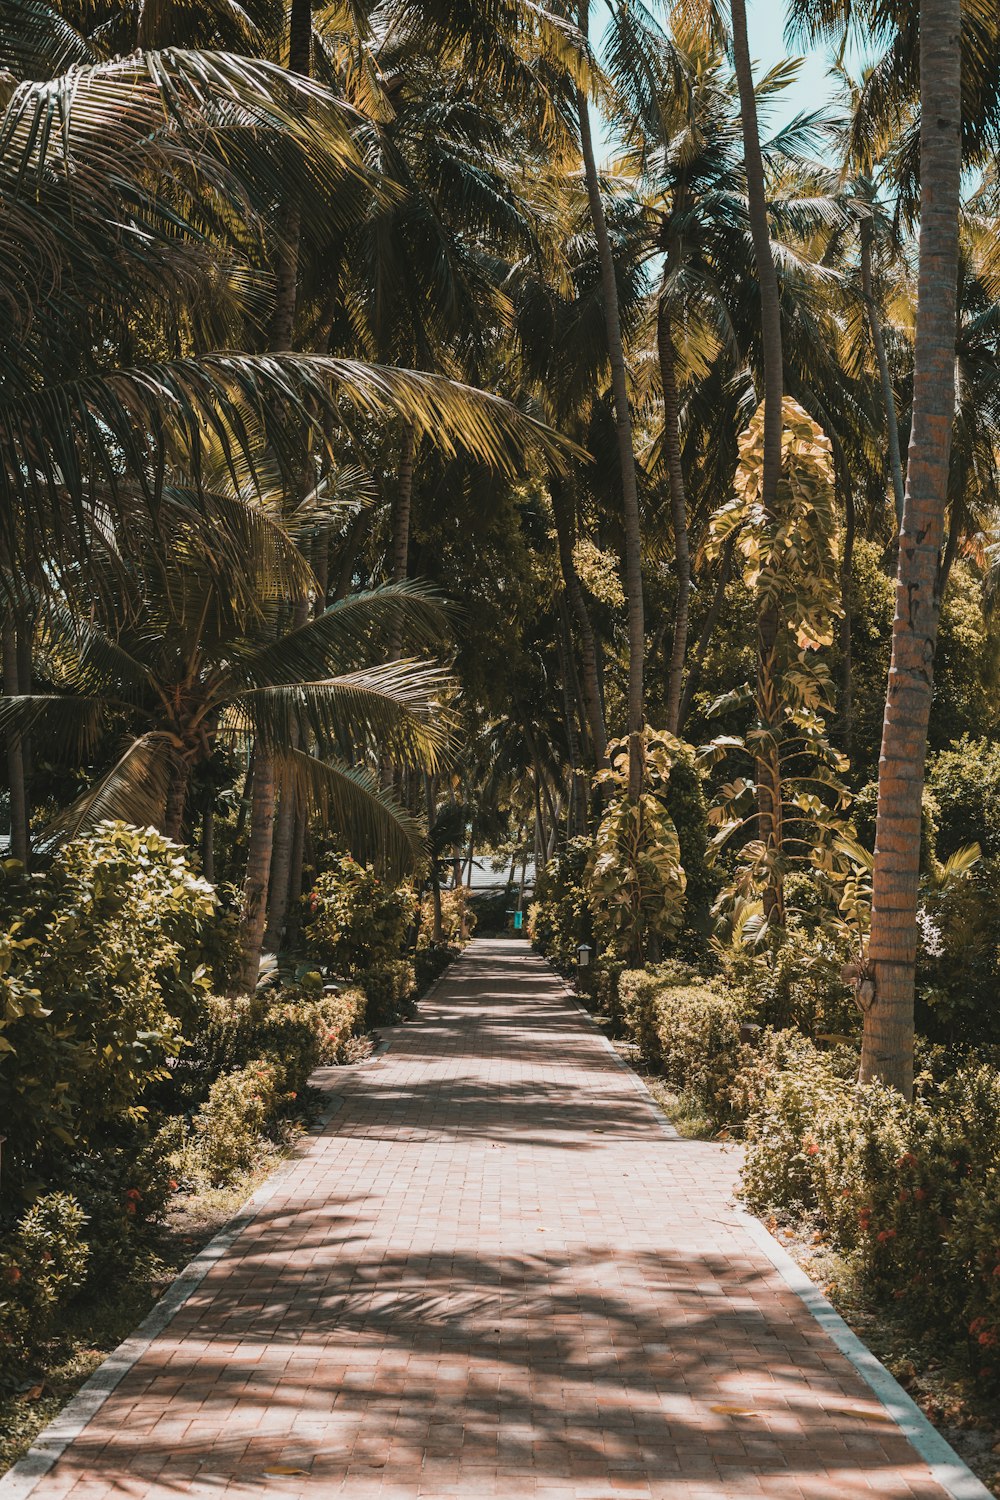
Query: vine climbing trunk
(624, 430)
(667, 354)
(768, 771)
(886, 986)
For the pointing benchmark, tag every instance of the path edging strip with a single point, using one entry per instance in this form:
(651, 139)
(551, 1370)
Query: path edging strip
(950, 1471)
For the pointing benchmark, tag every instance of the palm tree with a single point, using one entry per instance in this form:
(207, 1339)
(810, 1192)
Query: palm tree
(185, 651)
(635, 698)
(887, 985)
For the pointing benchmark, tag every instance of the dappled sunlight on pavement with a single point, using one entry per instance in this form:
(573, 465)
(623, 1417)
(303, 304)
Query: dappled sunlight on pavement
(494, 1273)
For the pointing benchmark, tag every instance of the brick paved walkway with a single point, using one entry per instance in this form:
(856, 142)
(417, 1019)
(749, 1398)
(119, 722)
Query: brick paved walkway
(494, 1274)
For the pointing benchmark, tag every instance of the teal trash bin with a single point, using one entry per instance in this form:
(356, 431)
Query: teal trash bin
(518, 920)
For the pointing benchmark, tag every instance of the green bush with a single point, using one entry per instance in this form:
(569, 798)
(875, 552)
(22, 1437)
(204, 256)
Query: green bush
(458, 918)
(429, 963)
(796, 984)
(559, 918)
(42, 1265)
(699, 1035)
(389, 989)
(357, 922)
(109, 942)
(639, 992)
(688, 1029)
(242, 1108)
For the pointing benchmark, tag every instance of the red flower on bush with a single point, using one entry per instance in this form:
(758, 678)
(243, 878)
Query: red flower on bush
(904, 1195)
(12, 1275)
(920, 1194)
(977, 1325)
(885, 1235)
(811, 1148)
(132, 1197)
(906, 1160)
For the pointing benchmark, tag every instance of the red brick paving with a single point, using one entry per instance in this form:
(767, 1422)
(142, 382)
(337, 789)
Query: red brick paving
(494, 1274)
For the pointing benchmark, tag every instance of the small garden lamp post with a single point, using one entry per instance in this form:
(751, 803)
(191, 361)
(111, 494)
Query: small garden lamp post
(583, 952)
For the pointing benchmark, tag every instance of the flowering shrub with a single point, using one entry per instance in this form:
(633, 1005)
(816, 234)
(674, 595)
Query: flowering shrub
(241, 1109)
(357, 922)
(42, 1265)
(909, 1189)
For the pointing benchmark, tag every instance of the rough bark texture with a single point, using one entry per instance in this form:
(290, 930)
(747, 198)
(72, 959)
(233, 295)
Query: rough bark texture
(177, 794)
(768, 772)
(707, 629)
(19, 833)
(887, 1046)
(623, 425)
(878, 344)
(678, 512)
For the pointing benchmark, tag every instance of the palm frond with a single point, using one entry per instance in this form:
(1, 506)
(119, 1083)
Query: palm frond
(133, 791)
(369, 820)
(350, 634)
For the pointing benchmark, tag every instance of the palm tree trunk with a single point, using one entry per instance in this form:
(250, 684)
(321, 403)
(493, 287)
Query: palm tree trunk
(846, 624)
(400, 562)
(591, 686)
(254, 914)
(678, 509)
(887, 1043)
(19, 832)
(430, 793)
(623, 424)
(769, 795)
(208, 842)
(177, 794)
(878, 344)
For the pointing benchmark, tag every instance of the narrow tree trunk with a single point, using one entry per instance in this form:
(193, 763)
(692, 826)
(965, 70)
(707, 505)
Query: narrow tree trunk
(623, 425)
(878, 344)
(591, 686)
(208, 843)
(177, 794)
(254, 914)
(887, 1044)
(846, 624)
(678, 511)
(19, 833)
(255, 890)
(400, 561)
(430, 791)
(769, 796)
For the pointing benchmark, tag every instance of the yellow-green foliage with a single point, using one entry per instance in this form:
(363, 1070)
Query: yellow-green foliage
(357, 921)
(635, 880)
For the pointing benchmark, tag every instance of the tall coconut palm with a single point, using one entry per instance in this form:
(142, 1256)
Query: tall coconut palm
(628, 475)
(886, 988)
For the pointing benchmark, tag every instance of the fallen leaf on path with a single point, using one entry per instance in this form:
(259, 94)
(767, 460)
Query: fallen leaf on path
(284, 1469)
